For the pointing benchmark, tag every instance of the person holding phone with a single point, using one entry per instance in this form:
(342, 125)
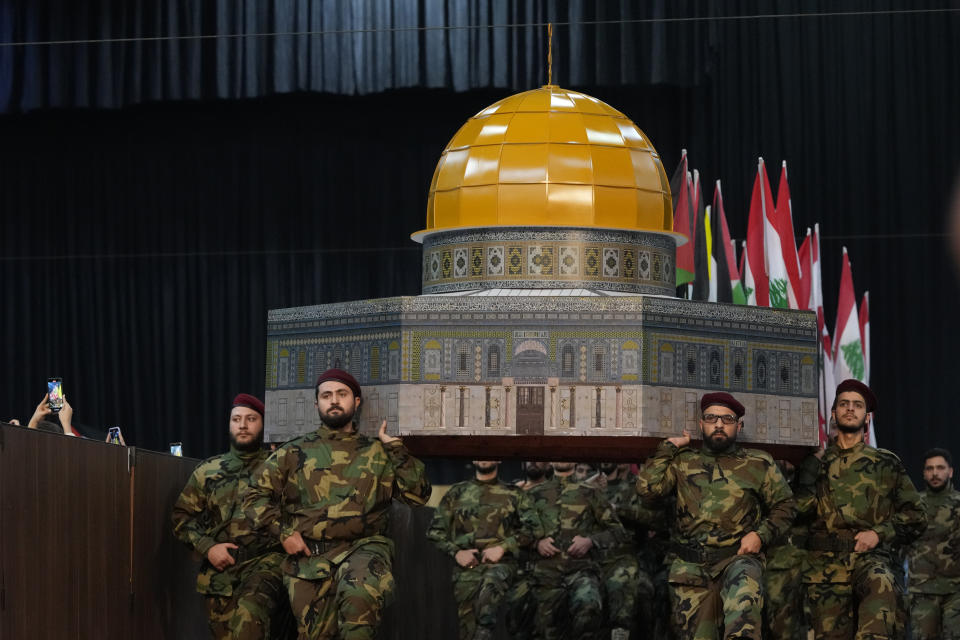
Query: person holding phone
(240, 577)
(43, 417)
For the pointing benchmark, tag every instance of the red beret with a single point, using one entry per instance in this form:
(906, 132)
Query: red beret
(855, 385)
(340, 376)
(724, 399)
(248, 401)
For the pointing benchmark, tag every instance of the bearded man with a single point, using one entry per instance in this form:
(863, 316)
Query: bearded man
(326, 497)
(864, 508)
(240, 577)
(934, 570)
(731, 502)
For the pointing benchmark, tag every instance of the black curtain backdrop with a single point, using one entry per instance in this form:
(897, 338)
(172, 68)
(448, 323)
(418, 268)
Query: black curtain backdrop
(141, 247)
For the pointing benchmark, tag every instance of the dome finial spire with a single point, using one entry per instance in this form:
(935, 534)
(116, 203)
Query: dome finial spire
(549, 53)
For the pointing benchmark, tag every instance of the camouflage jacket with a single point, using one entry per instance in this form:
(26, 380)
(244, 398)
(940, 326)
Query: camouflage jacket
(935, 556)
(853, 490)
(721, 497)
(636, 517)
(566, 508)
(335, 489)
(477, 515)
(210, 511)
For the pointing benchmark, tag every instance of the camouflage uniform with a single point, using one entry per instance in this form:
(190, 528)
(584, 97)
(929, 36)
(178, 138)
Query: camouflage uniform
(783, 587)
(851, 490)
(478, 515)
(568, 590)
(629, 588)
(783, 584)
(242, 599)
(335, 488)
(720, 497)
(934, 558)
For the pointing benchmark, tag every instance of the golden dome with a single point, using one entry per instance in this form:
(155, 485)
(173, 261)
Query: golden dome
(549, 157)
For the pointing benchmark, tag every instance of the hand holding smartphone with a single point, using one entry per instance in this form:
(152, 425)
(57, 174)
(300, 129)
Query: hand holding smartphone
(55, 394)
(115, 437)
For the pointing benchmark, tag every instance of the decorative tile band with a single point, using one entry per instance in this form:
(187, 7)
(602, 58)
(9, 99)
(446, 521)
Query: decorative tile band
(623, 261)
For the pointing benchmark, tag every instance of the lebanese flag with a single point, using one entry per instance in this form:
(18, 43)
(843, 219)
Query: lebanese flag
(803, 254)
(725, 255)
(683, 221)
(782, 247)
(848, 351)
(827, 382)
(781, 291)
(756, 285)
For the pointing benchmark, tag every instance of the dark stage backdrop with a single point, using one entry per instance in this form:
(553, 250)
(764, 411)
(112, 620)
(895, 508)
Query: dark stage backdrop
(141, 248)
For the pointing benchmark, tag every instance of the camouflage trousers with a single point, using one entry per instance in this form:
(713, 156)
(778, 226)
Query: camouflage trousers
(480, 593)
(629, 592)
(349, 604)
(866, 608)
(569, 600)
(252, 609)
(783, 604)
(522, 608)
(729, 606)
(935, 616)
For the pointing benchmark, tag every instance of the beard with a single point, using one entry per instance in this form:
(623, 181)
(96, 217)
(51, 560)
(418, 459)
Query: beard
(535, 472)
(846, 428)
(934, 489)
(247, 447)
(337, 420)
(719, 441)
(487, 467)
(608, 467)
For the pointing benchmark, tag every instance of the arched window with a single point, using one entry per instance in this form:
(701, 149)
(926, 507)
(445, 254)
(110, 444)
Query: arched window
(493, 361)
(463, 356)
(566, 356)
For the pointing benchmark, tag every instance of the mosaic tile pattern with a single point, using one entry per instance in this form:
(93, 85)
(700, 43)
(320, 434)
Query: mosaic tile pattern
(614, 261)
(612, 366)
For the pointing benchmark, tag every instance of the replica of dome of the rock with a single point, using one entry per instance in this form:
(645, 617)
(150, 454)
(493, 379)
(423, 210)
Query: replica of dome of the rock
(549, 157)
(548, 307)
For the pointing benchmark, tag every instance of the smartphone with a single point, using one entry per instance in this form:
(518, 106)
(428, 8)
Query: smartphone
(55, 394)
(176, 448)
(113, 435)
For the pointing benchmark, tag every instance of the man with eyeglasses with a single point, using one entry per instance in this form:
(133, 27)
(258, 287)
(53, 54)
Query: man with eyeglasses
(731, 502)
(864, 508)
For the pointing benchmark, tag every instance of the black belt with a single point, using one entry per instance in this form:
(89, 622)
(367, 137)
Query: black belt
(318, 547)
(842, 544)
(704, 555)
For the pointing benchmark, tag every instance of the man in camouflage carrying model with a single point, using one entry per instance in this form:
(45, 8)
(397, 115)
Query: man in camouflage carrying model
(731, 502)
(934, 588)
(577, 525)
(240, 577)
(478, 523)
(326, 496)
(864, 507)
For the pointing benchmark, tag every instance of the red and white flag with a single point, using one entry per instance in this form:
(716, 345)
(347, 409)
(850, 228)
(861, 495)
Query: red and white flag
(803, 254)
(828, 386)
(848, 350)
(756, 286)
(783, 266)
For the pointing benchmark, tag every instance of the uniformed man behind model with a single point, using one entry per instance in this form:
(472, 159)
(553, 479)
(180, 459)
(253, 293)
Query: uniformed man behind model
(730, 503)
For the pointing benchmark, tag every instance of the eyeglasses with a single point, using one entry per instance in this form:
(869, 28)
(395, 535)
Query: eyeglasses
(727, 418)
